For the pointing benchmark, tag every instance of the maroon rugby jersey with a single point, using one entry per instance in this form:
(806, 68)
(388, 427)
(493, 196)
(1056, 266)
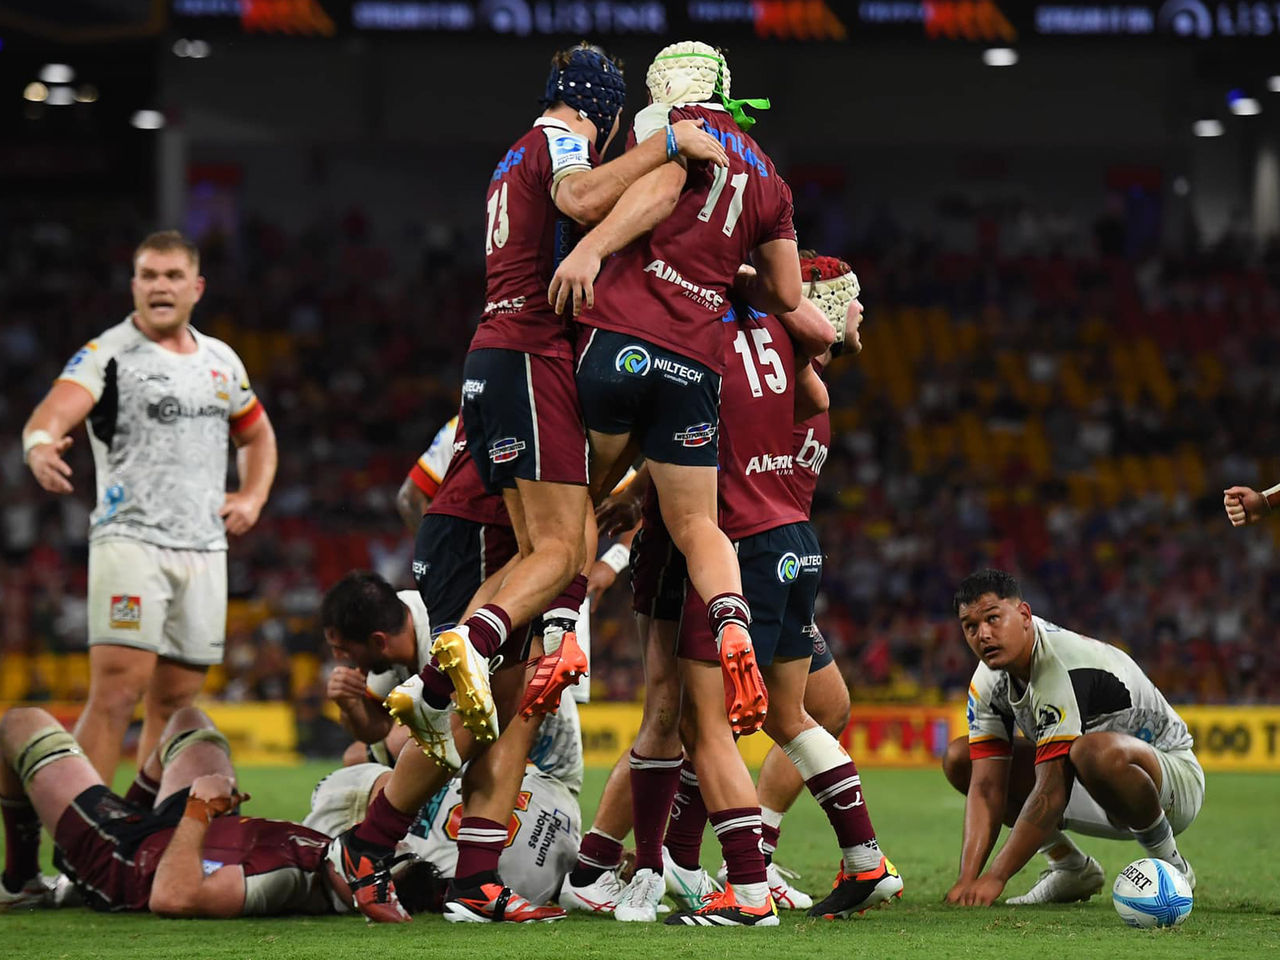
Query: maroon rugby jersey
(811, 441)
(462, 494)
(758, 489)
(525, 237)
(671, 286)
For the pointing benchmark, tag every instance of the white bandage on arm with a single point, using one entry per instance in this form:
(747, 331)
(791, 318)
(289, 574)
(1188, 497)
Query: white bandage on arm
(1271, 497)
(616, 557)
(32, 440)
(815, 751)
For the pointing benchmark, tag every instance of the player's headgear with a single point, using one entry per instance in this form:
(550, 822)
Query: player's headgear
(584, 78)
(695, 72)
(831, 285)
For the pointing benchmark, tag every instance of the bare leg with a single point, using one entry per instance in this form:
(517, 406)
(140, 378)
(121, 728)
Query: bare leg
(553, 523)
(118, 678)
(687, 496)
(723, 776)
(55, 785)
(196, 760)
(826, 699)
(1122, 774)
(173, 685)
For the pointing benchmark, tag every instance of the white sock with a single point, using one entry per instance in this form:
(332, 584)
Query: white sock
(861, 857)
(751, 894)
(1158, 841)
(1074, 859)
(772, 818)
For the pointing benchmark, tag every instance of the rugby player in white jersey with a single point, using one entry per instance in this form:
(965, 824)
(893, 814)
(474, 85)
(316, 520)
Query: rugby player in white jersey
(161, 400)
(1101, 753)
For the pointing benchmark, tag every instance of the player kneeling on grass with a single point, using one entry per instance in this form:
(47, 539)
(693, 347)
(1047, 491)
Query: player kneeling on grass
(174, 844)
(1131, 776)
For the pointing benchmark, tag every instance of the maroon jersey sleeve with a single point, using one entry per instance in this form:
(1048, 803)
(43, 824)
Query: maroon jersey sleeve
(757, 423)
(811, 443)
(525, 236)
(462, 494)
(671, 286)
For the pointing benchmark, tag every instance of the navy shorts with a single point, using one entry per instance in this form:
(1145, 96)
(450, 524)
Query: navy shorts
(451, 558)
(822, 654)
(781, 570)
(668, 403)
(523, 419)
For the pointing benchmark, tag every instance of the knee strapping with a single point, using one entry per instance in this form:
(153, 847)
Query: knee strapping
(182, 740)
(815, 751)
(47, 745)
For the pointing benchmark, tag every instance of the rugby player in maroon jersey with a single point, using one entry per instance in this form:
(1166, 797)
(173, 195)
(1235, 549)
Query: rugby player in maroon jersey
(652, 347)
(526, 438)
(175, 844)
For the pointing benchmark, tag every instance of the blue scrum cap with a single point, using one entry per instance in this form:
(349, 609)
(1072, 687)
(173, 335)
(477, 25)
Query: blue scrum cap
(584, 78)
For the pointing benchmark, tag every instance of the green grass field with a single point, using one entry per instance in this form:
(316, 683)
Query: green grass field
(1233, 845)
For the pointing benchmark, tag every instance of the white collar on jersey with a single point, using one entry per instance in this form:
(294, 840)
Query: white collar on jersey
(552, 122)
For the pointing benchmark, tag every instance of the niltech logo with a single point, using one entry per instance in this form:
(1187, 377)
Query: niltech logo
(788, 567)
(632, 359)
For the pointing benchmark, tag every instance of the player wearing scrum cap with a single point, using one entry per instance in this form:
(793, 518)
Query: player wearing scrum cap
(653, 344)
(525, 434)
(161, 401)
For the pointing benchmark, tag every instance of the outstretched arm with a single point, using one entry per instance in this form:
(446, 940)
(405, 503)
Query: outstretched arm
(776, 286)
(256, 460)
(1246, 505)
(44, 438)
(983, 813)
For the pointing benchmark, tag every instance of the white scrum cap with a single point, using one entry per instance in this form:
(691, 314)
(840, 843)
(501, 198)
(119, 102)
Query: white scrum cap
(688, 72)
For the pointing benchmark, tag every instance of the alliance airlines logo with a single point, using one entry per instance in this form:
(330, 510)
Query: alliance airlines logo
(632, 359)
(703, 296)
(766, 463)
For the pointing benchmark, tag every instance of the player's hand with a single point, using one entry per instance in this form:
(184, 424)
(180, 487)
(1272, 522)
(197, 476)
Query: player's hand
(600, 579)
(575, 278)
(346, 683)
(981, 892)
(240, 512)
(617, 515)
(1243, 505)
(696, 144)
(47, 466)
(211, 787)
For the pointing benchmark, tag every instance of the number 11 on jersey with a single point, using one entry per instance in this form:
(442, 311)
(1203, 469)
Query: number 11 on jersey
(739, 183)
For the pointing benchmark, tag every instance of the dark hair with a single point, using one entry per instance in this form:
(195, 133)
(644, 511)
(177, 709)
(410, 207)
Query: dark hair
(360, 604)
(166, 241)
(983, 582)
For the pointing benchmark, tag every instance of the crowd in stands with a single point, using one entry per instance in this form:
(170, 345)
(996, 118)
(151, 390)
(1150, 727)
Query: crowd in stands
(1069, 413)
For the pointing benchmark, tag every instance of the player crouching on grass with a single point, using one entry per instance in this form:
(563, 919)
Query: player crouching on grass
(174, 844)
(1131, 776)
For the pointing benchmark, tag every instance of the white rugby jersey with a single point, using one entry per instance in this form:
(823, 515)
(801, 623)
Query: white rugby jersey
(558, 749)
(1078, 685)
(159, 432)
(429, 470)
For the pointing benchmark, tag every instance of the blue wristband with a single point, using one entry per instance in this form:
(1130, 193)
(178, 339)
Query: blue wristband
(672, 150)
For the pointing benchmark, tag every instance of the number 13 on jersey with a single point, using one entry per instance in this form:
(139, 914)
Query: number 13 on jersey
(498, 228)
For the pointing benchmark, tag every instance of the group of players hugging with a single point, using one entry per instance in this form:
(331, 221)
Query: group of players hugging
(649, 367)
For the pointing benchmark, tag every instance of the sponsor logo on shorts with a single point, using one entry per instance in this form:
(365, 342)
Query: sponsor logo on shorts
(1047, 717)
(126, 612)
(420, 568)
(632, 359)
(766, 463)
(677, 372)
(697, 435)
(788, 567)
(506, 450)
(472, 389)
(703, 296)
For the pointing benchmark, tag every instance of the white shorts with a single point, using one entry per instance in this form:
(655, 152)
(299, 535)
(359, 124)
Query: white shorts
(172, 602)
(341, 799)
(1181, 796)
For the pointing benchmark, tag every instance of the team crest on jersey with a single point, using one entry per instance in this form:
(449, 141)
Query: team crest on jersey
(453, 822)
(506, 450)
(221, 385)
(1047, 717)
(126, 612)
(788, 567)
(632, 359)
(697, 435)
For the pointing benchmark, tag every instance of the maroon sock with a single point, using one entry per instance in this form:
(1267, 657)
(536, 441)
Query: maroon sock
(653, 788)
(436, 687)
(488, 628)
(688, 820)
(142, 792)
(738, 830)
(839, 793)
(769, 840)
(568, 605)
(21, 842)
(384, 826)
(726, 608)
(598, 854)
(480, 843)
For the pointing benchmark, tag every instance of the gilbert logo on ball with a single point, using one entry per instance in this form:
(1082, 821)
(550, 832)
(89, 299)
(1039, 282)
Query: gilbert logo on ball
(1151, 893)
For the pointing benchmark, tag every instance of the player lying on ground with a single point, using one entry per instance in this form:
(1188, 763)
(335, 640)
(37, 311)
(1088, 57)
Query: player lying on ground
(1132, 776)
(175, 844)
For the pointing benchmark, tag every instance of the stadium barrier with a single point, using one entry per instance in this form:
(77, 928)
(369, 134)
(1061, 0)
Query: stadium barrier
(1227, 738)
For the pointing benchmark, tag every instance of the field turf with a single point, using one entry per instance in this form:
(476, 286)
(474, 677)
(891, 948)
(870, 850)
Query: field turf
(1234, 847)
